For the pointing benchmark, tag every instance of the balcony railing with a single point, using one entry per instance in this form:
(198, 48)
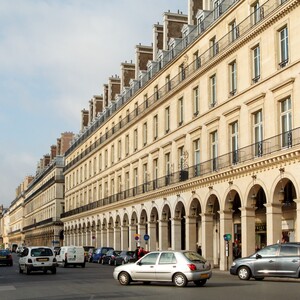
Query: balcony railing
(205, 58)
(43, 222)
(244, 155)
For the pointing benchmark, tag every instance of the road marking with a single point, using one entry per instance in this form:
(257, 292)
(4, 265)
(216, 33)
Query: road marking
(7, 288)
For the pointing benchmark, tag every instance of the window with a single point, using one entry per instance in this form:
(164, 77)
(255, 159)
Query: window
(214, 150)
(145, 178)
(256, 12)
(288, 250)
(196, 101)
(127, 116)
(127, 182)
(106, 158)
(234, 142)
(283, 47)
(286, 122)
(213, 46)
(136, 109)
(112, 154)
(135, 139)
(217, 9)
(181, 158)
(145, 101)
(233, 31)
(150, 259)
(155, 173)
(180, 111)
(196, 146)
(99, 163)
(168, 83)
(168, 170)
(256, 64)
(167, 258)
(126, 144)
(258, 133)
(145, 134)
(156, 93)
(119, 149)
(197, 62)
(167, 119)
(155, 127)
(200, 24)
(181, 72)
(112, 187)
(233, 78)
(213, 91)
(135, 180)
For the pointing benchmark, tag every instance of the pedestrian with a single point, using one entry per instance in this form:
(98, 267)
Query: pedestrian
(199, 250)
(141, 252)
(136, 253)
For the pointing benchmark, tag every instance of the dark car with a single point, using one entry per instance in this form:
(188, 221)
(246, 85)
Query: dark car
(6, 257)
(124, 258)
(110, 257)
(278, 260)
(99, 252)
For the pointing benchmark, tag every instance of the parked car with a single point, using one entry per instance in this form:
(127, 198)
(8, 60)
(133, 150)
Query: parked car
(110, 257)
(278, 260)
(37, 259)
(99, 252)
(86, 252)
(124, 258)
(6, 257)
(178, 267)
(71, 255)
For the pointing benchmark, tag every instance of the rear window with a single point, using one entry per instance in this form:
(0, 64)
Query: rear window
(167, 258)
(4, 252)
(41, 252)
(194, 256)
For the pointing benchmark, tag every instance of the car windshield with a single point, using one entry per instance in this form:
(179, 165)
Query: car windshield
(193, 256)
(4, 252)
(41, 252)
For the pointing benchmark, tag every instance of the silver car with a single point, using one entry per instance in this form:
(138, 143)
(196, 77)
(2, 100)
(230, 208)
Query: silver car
(278, 260)
(179, 267)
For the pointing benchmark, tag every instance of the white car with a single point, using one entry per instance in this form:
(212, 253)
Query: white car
(178, 267)
(37, 258)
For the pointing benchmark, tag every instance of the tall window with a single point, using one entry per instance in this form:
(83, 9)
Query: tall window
(119, 149)
(283, 47)
(136, 108)
(106, 158)
(258, 133)
(145, 101)
(155, 127)
(197, 62)
(196, 146)
(145, 177)
(234, 142)
(180, 111)
(233, 78)
(127, 182)
(214, 47)
(181, 158)
(233, 31)
(112, 187)
(145, 134)
(156, 93)
(126, 144)
(181, 72)
(256, 12)
(135, 180)
(286, 122)
(99, 163)
(112, 154)
(135, 139)
(214, 150)
(155, 173)
(213, 90)
(217, 8)
(256, 63)
(167, 119)
(196, 101)
(168, 83)
(168, 168)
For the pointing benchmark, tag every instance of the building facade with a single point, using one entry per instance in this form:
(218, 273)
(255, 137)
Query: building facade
(201, 146)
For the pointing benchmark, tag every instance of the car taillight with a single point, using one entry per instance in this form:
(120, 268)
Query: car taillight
(192, 267)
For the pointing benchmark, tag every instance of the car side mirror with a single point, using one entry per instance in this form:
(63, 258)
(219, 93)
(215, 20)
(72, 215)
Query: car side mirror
(258, 256)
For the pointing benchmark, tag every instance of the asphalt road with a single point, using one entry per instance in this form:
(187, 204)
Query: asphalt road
(96, 282)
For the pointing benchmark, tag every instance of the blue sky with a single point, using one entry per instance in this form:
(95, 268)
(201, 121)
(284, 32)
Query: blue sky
(54, 56)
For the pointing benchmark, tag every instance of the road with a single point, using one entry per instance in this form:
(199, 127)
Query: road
(96, 282)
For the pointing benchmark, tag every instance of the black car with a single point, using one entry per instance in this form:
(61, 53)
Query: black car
(110, 257)
(6, 257)
(278, 260)
(124, 258)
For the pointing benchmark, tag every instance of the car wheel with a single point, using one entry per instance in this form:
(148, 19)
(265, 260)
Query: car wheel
(102, 261)
(83, 265)
(27, 270)
(180, 280)
(200, 282)
(244, 273)
(115, 262)
(110, 262)
(20, 270)
(124, 278)
(99, 261)
(259, 278)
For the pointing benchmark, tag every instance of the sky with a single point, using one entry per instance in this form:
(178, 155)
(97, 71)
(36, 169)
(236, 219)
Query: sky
(55, 55)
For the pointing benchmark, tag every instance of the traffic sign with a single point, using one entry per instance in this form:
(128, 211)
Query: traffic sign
(146, 237)
(227, 237)
(136, 236)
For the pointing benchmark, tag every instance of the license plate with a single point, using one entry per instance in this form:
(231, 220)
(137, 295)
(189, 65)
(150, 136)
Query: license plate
(42, 259)
(204, 276)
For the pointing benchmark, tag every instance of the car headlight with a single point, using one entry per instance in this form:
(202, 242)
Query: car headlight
(233, 264)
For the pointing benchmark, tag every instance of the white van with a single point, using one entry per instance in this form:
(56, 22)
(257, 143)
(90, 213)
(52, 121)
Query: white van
(70, 255)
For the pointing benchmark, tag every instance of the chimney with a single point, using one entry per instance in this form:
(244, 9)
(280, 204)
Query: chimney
(53, 152)
(105, 95)
(193, 7)
(158, 39)
(127, 73)
(114, 88)
(64, 142)
(84, 118)
(142, 55)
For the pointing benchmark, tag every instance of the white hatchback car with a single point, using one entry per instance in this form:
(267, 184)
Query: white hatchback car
(178, 267)
(37, 258)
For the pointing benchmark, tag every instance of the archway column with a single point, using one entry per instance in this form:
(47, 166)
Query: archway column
(176, 234)
(132, 241)
(248, 230)
(191, 234)
(274, 223)
(297, 221)
(124, 238)
(163, 234)
(117, 238)
(103, 236)
(142, 232)
(207, 237)
(110, 236)
(98, 236)
(153, 237)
